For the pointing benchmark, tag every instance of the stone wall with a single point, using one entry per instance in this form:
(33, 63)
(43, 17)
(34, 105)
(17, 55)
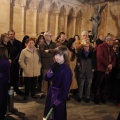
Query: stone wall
(32, 17)
(111, 19)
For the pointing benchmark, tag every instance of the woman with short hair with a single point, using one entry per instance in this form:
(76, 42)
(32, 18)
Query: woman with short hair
(30, 63)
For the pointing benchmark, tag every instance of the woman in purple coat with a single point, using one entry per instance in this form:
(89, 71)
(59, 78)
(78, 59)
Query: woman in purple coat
(60, 76)
(4, 80)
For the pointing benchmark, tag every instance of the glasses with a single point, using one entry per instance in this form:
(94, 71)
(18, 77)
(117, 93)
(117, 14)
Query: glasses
(41, 38)
(49, 35)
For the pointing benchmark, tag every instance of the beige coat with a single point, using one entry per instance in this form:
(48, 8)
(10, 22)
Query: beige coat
(30, 62)
(74, 84)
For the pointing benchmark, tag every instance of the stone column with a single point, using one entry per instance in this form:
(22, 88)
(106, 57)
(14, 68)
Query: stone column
(108, 16)
(10, 14)
(22, 19)
(35, 22)
(66, 20)
(56, 26)
(90, 22)
(74, 25)
(82, 27)
(46, 20)
(82, 21)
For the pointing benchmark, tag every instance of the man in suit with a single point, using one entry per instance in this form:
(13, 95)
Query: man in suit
(15, 49)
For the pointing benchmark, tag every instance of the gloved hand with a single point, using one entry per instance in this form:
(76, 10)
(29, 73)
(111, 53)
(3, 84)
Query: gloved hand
(54, 107)
(55, 67)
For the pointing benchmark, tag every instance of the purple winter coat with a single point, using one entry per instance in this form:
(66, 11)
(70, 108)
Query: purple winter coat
(4, 80)
(58, 91)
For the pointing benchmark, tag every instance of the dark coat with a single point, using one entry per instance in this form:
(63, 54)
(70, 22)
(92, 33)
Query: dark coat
(4, 80)
(59, 43)
(98, 42)
(58, 91)
(118, 67)
(103, 53)
(15, 50)
(46, 58)
(14, 54)
(85, 64)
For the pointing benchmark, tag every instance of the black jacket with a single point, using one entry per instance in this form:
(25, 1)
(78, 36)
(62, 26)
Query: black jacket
(14, 50)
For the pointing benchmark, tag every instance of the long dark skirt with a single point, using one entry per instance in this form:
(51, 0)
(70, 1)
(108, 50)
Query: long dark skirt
(59, 113)
(3, 96)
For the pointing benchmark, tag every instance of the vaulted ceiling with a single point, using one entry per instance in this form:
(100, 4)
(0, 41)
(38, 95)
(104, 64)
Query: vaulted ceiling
(96, 1)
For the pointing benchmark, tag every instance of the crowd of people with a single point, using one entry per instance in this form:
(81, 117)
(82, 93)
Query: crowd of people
(83, 66)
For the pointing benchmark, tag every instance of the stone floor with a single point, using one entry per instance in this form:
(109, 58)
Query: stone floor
(33, 110)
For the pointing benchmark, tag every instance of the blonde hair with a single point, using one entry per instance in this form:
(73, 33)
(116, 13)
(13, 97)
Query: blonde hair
(3, 36)
(84, 33)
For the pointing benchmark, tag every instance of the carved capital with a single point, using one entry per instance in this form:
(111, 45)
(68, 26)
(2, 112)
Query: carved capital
(23, 3)
(36, 4)
(11, 2)
(57, 12)
(74, 16)
(46, 8)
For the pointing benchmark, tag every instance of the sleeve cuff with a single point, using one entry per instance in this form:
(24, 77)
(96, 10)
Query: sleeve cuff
(49, 74)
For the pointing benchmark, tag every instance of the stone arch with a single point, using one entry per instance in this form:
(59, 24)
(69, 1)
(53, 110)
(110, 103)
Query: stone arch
(48, 1)
(41, 4)
(61, 23)
(16, 11)
(17, 2)
(28, 3)
(78, 23)
(70, 23)
(29, 20)
(53, 7)
(52, 18)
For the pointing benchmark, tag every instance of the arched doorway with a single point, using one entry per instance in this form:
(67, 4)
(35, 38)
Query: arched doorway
(52, 19)
(61, 23)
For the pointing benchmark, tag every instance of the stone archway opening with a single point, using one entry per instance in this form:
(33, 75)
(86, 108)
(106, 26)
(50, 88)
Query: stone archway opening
(52, 18)
(61, 23)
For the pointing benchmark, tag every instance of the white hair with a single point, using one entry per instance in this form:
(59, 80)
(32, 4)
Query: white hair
(46, 33)
(109, 37)
(84, 33)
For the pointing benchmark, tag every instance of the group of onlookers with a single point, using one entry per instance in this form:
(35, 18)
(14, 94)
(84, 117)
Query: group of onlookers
(95, 65)
(97, 68)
